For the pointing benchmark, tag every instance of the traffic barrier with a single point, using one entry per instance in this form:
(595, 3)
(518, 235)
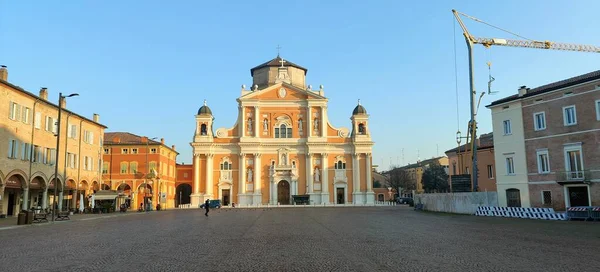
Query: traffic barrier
(595, 213)
(531, 213)
(579, 213)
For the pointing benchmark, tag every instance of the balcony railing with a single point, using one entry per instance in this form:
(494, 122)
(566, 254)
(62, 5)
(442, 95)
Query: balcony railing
(574, 176)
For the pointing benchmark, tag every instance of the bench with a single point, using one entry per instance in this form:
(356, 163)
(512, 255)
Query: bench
(40, 217)
(63, 216)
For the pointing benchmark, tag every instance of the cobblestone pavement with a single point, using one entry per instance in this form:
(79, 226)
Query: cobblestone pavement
(302, 239)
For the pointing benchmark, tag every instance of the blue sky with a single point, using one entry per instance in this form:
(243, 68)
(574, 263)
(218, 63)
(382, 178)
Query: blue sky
(146, 66)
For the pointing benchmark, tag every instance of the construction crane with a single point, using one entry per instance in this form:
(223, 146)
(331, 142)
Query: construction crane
(488, 42)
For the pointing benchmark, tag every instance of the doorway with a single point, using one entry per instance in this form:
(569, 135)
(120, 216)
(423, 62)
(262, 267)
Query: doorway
(578, 196)
(283, 192)
(11, 204)
(340, 195)
(513, 198)
(225, 199)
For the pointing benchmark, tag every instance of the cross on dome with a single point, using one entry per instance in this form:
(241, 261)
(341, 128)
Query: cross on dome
(282, 62)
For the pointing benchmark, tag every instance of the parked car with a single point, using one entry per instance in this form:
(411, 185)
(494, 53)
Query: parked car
(405, 200)
(213, 204)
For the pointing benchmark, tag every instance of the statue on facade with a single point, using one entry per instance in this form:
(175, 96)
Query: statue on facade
(299, 124)
(283, 159)
(249, 175)
(317, 175)
(265, 125)
(250, 125)
(316, 123)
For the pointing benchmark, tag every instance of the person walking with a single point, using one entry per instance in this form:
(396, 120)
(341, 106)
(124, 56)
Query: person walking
(206, 207)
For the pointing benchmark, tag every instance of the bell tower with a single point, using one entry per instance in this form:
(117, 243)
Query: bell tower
(204, 124)
(360, 124)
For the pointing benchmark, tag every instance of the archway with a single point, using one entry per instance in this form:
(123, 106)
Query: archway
(55, 188)
(37, 187)
(125, 195)
(70, 196)
(513, 197)
(283, 192)
(182, 194)
(144, 196)
(105, 187)
(95, 186)
(13, 193)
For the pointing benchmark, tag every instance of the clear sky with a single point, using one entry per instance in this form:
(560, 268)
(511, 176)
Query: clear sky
(146, 66)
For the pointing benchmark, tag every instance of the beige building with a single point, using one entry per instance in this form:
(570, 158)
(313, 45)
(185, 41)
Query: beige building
(460, 160)
(415, 171)
(28, 151)
(282, 147)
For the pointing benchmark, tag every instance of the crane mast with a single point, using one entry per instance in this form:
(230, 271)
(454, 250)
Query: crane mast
(488, 42)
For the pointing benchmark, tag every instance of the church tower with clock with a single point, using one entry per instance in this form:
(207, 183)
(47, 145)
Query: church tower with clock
(282, 150)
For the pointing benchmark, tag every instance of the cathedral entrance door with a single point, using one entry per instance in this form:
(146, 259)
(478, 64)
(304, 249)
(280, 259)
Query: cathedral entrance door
(225, 194)
(283, 192)
(340, 195)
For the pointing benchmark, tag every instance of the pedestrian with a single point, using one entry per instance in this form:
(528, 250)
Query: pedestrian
(206, 207)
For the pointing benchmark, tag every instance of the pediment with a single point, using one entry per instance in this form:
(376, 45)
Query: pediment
(282, 91)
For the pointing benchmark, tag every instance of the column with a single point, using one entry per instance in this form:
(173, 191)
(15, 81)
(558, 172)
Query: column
(309, 177)
(25, 198)
(60, 200)
(196, 174)
(325, 178)
(324, 121)
(355, 173)
(308, 121)
(256, 121)
(209, 175)
(242, 175)
(243, 121)
(45, 199)
(257, 180)
(368, 168)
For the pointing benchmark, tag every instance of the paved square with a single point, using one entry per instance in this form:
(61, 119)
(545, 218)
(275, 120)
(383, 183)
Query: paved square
(302, 239)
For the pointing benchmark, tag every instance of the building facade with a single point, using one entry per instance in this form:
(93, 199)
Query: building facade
(141, 170)
(415, 172)
(28, 142)
(561, 124)
(460, 163)
(281, 146)
(183, 183)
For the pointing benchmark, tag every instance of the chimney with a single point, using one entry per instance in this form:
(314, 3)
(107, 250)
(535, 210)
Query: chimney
(522, 91)
(173, 147)
(44, 93)
(3, 73)
(96, 118)
(116, 140)
(162, 140)
(63, 103)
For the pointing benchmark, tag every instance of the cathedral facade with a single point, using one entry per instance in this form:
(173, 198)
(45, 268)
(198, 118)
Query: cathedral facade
(282, 149)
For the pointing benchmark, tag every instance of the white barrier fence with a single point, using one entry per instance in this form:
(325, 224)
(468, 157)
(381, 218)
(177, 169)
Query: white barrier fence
(376, 204)
(518, 212)
(462, 203)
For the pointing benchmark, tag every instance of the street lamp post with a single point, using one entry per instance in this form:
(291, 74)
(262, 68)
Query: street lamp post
(55, 204)
(147, 170)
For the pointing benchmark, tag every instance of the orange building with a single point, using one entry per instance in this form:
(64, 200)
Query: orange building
(183, 183)
(282, 147)
(460, 162)
(140, 169)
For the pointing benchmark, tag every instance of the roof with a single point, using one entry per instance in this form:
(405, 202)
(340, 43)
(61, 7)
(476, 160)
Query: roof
(552, 87)
(127, 138)
(359, 110)
(48, 102)
(204, 109)
(486, 141)
(276, 62)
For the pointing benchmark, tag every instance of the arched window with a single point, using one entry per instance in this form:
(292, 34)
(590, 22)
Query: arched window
(283, 131)
(340, 165)
(226, 166)
(203, 129)
(361, 129)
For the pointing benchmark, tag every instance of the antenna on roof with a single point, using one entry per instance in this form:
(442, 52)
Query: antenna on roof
(278, 48)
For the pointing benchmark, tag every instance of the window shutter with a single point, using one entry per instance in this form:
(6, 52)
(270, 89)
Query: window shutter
(54, 125)
(10, 147)
(11, 111)
(91, 137)
(17, 112)
(70, 131)
(38, 120)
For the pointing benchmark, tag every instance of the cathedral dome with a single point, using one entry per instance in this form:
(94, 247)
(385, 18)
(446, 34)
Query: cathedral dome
(204, 109)
(359, 109)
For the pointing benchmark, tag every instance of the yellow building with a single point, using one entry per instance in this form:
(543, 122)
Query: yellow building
(28, 125)
(415, 170)
(281, 146)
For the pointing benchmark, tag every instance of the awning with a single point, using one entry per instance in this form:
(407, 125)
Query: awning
(105, 195)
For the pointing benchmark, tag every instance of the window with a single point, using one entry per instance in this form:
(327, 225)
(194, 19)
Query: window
(598, 110)
(88, 163)
(125, 151)
(134, 167)
(105, 168)
(574, 162)
(543, 162)
(547, 198)
(454, 169)
(49, 124)
(25, 115)
(225, 166)
(283, 131)
(38, 120)
(88, 137)
(153, 150)
(490, 169)
(134, 151)
(507, 127)
(15, 111)
(72, 131)
(569, 115)
(539, 121)
(203, 129)
(510, 166)
(36, 153)
(152, 166)
(26, 152)
(340, 165)
(361, 129)
(13, 148)
(72, 160)
(124, 167)
(50, 156)
(106, 151)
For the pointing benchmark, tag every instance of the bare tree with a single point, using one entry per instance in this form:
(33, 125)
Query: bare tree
(400, 180)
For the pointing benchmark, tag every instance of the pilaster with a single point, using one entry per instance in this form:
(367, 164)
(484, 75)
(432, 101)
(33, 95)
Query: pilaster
(257, 198)
(324, 178)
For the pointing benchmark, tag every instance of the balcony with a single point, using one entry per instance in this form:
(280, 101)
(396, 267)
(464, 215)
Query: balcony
(570, 177)
(226, 175)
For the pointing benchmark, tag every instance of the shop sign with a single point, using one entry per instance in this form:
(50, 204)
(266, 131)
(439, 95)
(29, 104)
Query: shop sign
(13, 183)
